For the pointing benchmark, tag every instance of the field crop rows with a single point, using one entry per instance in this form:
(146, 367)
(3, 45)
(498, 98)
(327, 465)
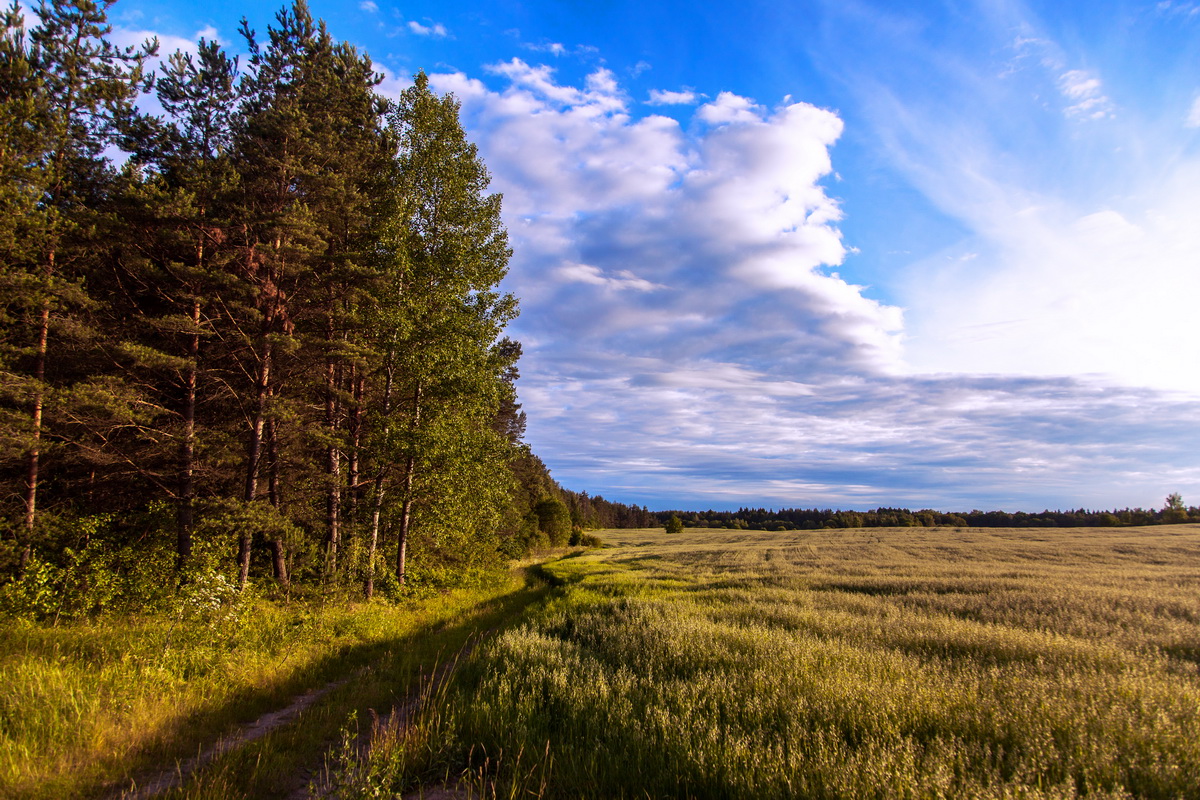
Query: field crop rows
(885, 663)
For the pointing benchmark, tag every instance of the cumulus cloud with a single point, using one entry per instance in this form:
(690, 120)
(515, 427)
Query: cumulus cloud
(392, 84)
(659, 97)
(434, 29)
(734, 222)
(729, 107)
(688, 331)
(677, 287)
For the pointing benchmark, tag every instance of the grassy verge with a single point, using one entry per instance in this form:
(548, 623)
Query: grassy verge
(851, 664)
(86, 706)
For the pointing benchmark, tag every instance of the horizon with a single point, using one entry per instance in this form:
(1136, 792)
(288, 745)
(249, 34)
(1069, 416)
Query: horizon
(830, 255)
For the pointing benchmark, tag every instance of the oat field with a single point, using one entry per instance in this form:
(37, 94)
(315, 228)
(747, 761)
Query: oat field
(881, 663)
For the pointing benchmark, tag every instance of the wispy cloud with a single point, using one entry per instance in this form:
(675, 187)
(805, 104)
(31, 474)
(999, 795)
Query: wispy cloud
(553, 48)
(621, 280)
(1175, 8)
(370, 6)
(1083, 93)
(1076, 230)
(1193, 117)
(434, 29)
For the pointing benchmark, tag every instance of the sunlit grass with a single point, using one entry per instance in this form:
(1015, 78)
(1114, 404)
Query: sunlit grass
(850, 664)
(86, 705)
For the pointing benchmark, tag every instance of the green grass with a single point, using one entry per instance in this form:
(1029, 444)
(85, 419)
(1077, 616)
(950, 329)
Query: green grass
(86, 706)
(881, 663)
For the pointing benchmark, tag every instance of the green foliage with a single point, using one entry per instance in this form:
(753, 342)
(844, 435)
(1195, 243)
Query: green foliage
(674, 525)
(97, 570)
(282, 234)
(554, 520)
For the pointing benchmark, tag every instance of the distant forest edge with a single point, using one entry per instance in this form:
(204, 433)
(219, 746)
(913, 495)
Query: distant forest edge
(596, 512)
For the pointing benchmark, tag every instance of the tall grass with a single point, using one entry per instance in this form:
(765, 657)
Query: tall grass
(903, 663)
(86, 705)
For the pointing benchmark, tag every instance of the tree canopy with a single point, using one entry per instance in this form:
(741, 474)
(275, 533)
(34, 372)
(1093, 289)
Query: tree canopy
(269, 338)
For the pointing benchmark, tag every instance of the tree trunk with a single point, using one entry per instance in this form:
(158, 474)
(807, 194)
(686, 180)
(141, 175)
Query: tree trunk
(357, 382)
(187, 450)
(254, 456)
(33, 457)
(410, 468)
(333, 465)
(278, 546)
(377, 504)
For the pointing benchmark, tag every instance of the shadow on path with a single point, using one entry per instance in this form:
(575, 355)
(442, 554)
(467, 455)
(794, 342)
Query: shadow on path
(274, 755)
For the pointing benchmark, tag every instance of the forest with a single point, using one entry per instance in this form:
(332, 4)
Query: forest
(259, 332)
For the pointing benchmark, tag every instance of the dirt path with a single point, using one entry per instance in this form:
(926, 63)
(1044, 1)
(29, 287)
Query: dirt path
(165, 780)
(313, 782)
(320, 786)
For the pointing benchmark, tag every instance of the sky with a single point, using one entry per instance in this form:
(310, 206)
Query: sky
(827, 253)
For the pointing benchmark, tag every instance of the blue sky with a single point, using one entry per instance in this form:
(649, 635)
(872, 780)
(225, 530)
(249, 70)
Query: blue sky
(835, 254)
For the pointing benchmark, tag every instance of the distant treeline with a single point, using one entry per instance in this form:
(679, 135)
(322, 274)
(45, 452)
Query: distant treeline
(788, 519)
(591, 513)
(595, 512)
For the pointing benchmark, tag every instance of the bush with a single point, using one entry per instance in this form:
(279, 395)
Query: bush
(554, 520)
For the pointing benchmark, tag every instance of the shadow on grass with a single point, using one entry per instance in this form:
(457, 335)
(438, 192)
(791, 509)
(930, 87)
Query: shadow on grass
(371, 679)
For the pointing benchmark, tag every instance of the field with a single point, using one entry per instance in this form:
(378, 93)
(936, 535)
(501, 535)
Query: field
(875, 663)
(870, 663)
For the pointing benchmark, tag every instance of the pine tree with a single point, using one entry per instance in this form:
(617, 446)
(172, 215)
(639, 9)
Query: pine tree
(73, 87)
(315, 151)
(178, 211)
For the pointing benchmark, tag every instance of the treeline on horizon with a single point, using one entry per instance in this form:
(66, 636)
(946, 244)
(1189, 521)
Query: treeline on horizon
(787, 519)
(269, 344)
(590, 512)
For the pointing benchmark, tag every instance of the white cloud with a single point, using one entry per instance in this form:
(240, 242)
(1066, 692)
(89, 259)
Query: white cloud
(1083, 92)
(553, 48)
(623, 279)
(1170, 8)
(734, 221)
(729, 107)
(1064, 290)
(434, 29)
(1193, 117)
(686, 330)
(370, 6)
(167, 43)
(392, 84)
(660, 97)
